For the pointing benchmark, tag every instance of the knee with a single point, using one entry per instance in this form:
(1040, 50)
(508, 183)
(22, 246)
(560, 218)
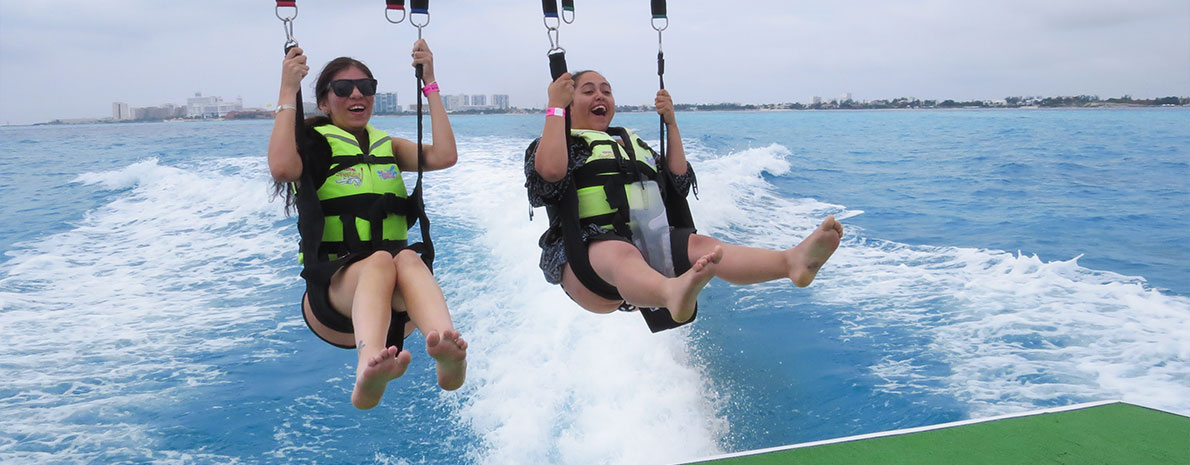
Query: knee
(699, 244)
(406, 259)
(380, 262)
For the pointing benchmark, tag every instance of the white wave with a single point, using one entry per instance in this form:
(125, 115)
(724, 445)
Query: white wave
(121, 313)
(1012, 332)
(1004, 332)
(183, 264)
(549, 382)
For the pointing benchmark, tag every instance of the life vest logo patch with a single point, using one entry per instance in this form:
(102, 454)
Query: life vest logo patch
(390, 173)
(348, 177)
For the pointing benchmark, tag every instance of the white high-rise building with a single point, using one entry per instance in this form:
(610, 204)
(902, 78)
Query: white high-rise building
(386, 103)
(211, 107)
(454, 102)
(121, 112)
(500, 101)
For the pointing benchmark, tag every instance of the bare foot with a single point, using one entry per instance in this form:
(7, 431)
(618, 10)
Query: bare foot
(681, 294)
(805, 259)
(450, 352)
(373, 375)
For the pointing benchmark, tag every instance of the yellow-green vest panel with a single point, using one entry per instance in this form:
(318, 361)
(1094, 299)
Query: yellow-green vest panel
(361, 179)
(592, 200)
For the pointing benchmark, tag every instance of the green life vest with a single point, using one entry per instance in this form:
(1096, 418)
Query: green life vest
(604, 181)
(363, 199)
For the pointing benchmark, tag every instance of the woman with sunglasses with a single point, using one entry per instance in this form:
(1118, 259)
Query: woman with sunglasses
(365, 290)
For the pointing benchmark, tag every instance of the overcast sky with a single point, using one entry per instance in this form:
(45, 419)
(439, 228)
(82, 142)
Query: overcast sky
(72, 59)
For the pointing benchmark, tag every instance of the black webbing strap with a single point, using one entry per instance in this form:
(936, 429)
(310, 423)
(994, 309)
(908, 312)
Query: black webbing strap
(556, 54)
(414, 205)
(576, 249)
(309, 226)
(426, 246)
(659, 13)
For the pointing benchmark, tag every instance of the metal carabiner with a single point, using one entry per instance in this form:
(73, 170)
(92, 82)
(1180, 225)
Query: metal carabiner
(290, 42)
(287, 24)
(555, 39)
(568, 21)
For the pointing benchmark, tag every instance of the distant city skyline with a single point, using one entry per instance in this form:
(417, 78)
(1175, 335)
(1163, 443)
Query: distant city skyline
(212, 106)
(146, 52)
(387, 105)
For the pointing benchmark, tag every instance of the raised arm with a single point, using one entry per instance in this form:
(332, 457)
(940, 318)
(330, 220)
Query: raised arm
(551, 159)
(675, 154)
(284, 162)
(442, 153)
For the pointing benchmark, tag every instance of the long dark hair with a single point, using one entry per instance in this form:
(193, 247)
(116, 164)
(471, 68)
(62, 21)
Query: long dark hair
(322, 92)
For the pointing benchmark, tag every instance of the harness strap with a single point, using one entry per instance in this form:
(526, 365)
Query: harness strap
(576, 250)
(419, 6)
(343, 162)
(596, 173)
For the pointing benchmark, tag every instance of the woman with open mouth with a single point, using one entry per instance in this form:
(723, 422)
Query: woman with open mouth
(620, 236)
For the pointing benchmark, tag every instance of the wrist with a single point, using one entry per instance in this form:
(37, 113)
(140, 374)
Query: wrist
(430, 88)
(555, 111)
(284, 106)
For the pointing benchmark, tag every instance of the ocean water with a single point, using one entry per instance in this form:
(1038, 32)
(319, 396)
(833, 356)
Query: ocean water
(994, 262)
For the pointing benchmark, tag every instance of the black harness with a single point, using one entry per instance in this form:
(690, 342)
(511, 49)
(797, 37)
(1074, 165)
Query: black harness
(564, 219)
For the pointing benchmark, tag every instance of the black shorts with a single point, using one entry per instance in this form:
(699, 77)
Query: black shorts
(658, 319)
(320, 306)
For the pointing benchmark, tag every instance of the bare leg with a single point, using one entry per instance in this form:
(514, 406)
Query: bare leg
(364, 289)
(427, 308)
(621, 265)
(747, 265)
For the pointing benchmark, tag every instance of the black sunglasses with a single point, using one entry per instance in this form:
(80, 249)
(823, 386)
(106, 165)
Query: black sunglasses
(343, 87)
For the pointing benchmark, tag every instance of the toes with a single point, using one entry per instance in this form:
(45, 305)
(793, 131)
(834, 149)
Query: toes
(433, 339)
(716, 255)
(387, 353)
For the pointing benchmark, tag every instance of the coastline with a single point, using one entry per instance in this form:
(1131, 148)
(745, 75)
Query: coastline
(646, 109)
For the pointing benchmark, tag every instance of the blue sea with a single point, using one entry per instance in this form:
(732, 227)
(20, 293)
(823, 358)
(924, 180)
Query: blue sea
(995, 261)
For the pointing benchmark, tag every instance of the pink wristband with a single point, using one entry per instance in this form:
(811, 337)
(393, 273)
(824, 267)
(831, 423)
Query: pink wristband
(431, 87)
(555, 111)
